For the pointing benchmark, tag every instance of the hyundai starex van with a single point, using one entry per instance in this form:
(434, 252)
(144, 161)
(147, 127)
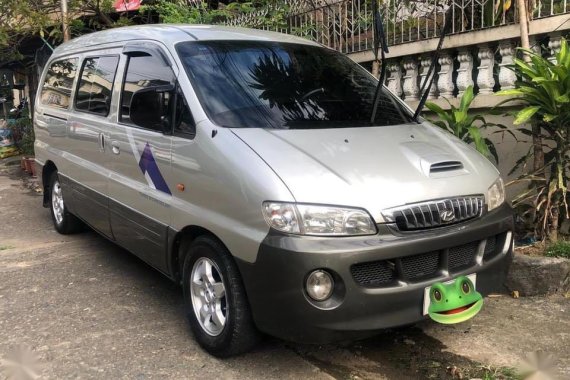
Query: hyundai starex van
(245, 166)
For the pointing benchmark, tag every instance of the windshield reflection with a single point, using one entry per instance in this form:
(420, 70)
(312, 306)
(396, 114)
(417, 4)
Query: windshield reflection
(245, 84)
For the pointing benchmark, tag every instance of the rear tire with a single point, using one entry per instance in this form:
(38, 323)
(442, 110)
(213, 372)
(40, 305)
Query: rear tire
(63, 221)
(215, 300)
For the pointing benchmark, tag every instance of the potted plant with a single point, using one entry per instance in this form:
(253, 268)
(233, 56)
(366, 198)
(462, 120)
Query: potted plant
(24, 137)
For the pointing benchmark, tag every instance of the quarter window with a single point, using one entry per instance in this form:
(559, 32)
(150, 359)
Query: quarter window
(184, 122)
(56, 91)
(146, 73)
(96, 85)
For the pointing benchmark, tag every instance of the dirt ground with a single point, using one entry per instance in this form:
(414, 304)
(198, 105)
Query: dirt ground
(80, 307)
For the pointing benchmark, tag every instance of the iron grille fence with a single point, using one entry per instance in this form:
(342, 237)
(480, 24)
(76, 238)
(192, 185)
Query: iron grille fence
(346, 25)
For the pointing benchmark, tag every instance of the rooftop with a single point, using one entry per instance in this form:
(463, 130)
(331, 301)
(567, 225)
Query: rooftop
(173, 33)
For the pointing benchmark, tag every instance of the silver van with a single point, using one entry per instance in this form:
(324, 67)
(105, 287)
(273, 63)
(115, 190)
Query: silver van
(243, 165)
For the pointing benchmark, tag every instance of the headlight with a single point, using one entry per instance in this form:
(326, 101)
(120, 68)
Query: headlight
(281, 216)
(317, 220)
(496, 194)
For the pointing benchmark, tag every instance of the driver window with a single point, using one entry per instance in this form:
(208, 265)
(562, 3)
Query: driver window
(145, 72)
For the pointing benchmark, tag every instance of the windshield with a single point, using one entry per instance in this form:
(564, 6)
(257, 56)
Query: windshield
(259, 84)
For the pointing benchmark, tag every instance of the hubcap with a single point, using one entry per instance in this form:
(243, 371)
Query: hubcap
(57, 202)
(208, 296)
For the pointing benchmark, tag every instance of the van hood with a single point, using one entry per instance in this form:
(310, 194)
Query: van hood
(374, 168)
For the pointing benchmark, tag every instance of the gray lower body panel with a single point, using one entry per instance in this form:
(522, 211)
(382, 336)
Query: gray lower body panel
(141, 235)
(388, 293)
(89, 205)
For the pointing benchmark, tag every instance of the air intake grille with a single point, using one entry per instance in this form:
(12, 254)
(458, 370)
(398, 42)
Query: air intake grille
(463, 256)
(491, 247)
(373, 273)
(420, 266)
(423, 266)
(419, 216)
(445, 166)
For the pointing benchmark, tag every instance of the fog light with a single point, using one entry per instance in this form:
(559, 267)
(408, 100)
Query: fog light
(319, 285)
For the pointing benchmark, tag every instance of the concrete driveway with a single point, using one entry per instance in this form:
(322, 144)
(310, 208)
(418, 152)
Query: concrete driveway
(80, 307)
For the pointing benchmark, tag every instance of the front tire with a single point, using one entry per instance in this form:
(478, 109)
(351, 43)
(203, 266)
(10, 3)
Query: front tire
(215, 299)
(63, 221)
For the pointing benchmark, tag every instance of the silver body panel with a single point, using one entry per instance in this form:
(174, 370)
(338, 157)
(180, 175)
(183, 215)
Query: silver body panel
(371, 168)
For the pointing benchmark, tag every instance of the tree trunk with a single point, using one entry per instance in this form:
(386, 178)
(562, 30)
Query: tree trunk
(525, 44)
(64, 20)
(538, 151)
(104, 17)
(376, 68)
(553, 229)
(523, 22)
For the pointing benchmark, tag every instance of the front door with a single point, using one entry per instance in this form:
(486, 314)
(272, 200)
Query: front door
(141, 155)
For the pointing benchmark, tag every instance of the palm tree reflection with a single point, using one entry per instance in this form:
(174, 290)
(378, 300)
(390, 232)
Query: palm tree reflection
(307, 89)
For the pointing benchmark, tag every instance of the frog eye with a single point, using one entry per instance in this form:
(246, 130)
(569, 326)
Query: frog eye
(466, 287)
(436, 294)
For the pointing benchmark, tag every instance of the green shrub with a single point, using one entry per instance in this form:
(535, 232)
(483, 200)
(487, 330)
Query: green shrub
(23, 132)
(465, 125)
(561, 248)
(543, 89)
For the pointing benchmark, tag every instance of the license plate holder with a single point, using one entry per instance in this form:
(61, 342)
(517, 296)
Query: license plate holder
(427, 301)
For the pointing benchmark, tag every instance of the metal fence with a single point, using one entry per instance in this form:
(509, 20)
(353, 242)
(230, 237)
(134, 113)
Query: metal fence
(346, 25)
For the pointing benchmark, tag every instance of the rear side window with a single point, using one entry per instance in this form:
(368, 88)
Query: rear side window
(56, 90)
(146, 73)
(96, 85)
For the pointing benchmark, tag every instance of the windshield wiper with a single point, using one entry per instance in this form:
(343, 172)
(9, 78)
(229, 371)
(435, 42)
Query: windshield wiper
(379, 44)
(426, 86)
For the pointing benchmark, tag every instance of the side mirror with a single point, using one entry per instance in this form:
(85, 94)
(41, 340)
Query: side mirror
(149, 108)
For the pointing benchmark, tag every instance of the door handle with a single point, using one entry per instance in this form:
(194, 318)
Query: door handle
(101, 142)
(115, 147)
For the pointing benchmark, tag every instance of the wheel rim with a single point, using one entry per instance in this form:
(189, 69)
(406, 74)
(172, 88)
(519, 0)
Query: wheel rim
(57, 202)
(208, 296)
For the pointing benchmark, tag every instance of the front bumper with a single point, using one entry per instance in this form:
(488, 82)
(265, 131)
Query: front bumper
(280, 306)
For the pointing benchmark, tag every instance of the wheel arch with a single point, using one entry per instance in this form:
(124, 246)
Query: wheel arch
(181, 241)
(48, 169)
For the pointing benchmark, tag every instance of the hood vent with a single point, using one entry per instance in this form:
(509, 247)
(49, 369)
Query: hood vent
(445, 166)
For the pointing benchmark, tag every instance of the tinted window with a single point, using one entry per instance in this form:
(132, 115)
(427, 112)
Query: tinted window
(184, 122)
(56, 91)
(96, 85)
(146, 72)
(285, 86)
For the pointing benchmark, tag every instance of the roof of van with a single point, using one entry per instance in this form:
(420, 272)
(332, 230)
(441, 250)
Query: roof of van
(173, 33)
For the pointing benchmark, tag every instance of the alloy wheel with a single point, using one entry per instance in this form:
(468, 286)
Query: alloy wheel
(208, 296)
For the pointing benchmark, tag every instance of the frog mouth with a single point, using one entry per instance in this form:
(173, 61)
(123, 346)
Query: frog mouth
(458, 314)
(457, 310)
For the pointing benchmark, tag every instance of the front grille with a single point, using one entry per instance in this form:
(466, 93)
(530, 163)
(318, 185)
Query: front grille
(432, 214)
(423, 266)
